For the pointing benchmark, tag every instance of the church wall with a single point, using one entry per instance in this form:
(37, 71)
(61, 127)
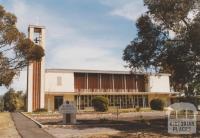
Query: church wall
(59, 82)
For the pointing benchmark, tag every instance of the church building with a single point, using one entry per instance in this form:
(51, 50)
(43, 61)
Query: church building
(49, 88)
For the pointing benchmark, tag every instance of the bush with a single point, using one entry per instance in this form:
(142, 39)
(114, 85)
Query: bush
(1, 106)
(41, 110)
(13, 100)
(100, 103)
(103, 120)
(157, 104)
(137, 108)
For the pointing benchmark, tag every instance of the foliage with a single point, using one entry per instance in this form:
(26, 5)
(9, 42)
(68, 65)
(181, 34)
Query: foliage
(157, 104)
(15, 49)
(1, 103)
(137, 108)
(100, 103)
(168, 41)
(41, 110)
(13, 100)
(103, 120)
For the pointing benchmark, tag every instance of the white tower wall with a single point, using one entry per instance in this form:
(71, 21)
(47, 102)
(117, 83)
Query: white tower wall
(36, 72)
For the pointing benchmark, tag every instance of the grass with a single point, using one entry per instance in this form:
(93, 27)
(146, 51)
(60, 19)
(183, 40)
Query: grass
(7, 127)
(91, 110)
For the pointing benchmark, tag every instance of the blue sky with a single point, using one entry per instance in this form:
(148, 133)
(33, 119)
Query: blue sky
(81, 34)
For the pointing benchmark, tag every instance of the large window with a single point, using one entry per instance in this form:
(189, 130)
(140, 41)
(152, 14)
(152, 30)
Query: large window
(122, 101)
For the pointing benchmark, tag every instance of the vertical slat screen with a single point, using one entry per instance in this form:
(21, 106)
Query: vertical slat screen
(93, 82)
(106, 82)
(141, 83)
(118, 82)
(80, 81)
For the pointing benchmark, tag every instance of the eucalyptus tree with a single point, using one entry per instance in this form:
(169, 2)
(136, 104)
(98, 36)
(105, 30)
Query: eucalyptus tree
(168, 41)
(15, 49)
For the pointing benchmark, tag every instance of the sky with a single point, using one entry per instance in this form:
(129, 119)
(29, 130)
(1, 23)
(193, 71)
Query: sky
(80, 34)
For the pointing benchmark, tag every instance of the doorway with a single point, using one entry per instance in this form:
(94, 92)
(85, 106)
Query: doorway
(58, 101)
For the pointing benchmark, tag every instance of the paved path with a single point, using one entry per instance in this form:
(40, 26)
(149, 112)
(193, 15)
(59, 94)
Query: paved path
(27, 128)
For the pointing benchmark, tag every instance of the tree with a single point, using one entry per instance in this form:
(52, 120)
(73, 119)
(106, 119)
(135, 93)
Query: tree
(13, 100)
(1, 103)
(168, 42)
(15, 49)
(100, 103)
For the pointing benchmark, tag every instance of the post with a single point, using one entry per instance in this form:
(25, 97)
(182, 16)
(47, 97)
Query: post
(120, 102)
(117, 111)
(113, 83)
(125, 83)
(100, 82)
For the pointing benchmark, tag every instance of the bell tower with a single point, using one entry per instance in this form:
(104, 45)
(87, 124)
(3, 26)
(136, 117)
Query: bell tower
(36, 71)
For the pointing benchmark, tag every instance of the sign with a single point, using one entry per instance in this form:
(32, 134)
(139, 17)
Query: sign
(182, 118)
(67, 109)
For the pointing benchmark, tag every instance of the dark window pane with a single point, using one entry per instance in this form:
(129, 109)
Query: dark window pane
(58, 101)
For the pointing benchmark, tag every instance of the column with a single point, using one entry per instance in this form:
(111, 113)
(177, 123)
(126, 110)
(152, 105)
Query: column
(120, 103)
(100, 81)
(143, 101)
(124, 82)
(136, 87)
(77, 102)
(87, 82)
(113, 82)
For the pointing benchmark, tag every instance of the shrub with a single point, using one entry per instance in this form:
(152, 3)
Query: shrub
(41, 110)
(1, 106)
(100, 103)
(13, 100)
(137, 108)
(157, 104)
(103, 120)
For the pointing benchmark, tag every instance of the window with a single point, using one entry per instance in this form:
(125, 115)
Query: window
(59, 80)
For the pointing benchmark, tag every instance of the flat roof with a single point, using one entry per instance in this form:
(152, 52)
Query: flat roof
(101, 71)
(36, 26)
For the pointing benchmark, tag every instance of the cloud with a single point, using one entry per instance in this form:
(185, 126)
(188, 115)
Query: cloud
(66, 46)
(93, 58)
(128, 9)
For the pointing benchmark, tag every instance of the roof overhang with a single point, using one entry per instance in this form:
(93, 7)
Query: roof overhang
(102, 72)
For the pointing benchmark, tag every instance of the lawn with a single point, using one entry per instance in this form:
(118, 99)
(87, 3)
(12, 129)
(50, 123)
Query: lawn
(145, 124)
(7, 127)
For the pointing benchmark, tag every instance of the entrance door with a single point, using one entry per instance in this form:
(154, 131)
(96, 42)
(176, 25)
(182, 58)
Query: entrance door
(58, 101)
